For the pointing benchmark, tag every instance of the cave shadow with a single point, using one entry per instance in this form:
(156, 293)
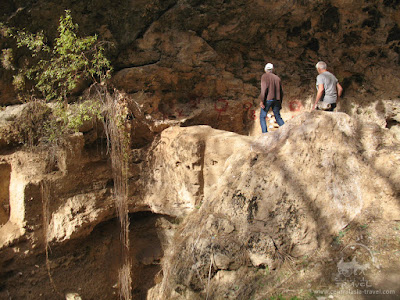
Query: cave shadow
(5, 175)
(146, 252)
(89, 265)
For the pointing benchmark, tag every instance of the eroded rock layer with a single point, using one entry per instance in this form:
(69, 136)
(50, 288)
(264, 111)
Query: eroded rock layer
(244, 201)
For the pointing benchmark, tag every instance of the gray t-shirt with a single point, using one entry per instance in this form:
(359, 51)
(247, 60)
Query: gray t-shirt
(329, 81)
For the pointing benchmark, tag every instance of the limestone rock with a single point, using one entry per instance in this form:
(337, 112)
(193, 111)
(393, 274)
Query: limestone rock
(260, 260)
(283, 191)
(71, 217)
(221, 261)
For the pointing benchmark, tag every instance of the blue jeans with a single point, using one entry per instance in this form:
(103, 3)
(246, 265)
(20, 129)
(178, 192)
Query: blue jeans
(276, 107)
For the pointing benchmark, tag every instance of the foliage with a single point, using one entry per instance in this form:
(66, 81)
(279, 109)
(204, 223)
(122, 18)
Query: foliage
(7, 59)
(42, 124)
(63, 122)
(84, 112)
(339, 238)
(57, 70)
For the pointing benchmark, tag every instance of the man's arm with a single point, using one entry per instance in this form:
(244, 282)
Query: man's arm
(319, 94)
(339, 91)
(262, 94)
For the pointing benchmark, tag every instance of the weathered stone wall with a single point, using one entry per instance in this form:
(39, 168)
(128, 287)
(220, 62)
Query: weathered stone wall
(244, 200)
(179, 52)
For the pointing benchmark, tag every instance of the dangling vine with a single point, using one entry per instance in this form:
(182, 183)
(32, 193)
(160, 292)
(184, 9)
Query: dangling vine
(118, 137)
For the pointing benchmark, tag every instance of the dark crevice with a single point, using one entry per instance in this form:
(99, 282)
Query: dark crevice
(201, 175)
(137, 65)
(5, 175)
(391, 3)
(394, 34)
(373, 21)
(161, 13)
(330, 19)
(391, 122)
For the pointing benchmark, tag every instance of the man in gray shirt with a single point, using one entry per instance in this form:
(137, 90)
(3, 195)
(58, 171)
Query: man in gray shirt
(329, 88)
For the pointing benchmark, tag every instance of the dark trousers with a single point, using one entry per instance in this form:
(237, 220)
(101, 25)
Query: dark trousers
(276, 108)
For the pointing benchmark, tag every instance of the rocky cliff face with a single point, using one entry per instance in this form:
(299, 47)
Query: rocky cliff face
(178, 52)
(217, 211)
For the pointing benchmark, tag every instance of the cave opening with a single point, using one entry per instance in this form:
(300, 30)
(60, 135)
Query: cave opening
(148, 238)
(89, 265)
(5, 174)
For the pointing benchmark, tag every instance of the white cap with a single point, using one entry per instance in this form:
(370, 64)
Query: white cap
(268, 66)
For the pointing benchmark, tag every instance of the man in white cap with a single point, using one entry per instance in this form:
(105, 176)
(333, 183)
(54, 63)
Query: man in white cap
(329, 88)
(271, 96)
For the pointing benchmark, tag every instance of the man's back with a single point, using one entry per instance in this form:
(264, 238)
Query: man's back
(329, 81)
(271, 88)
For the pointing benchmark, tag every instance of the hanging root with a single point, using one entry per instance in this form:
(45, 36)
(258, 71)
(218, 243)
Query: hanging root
(45, 193)
(118, 139)
(125, 281)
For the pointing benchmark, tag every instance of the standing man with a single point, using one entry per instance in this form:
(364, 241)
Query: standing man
(271, 96)
(329, 88)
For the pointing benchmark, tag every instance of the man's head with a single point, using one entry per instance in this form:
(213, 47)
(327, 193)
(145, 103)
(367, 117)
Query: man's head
(269, 67)
(321, 67)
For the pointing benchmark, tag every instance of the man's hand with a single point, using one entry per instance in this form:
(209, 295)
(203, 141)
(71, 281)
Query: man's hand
(262, 105)
(315, 104)
(319, 95)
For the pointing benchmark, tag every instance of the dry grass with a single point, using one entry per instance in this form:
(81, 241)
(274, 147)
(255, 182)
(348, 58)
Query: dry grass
(191, 262)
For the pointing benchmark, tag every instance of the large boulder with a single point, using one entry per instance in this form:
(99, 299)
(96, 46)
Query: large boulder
(283, 194)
